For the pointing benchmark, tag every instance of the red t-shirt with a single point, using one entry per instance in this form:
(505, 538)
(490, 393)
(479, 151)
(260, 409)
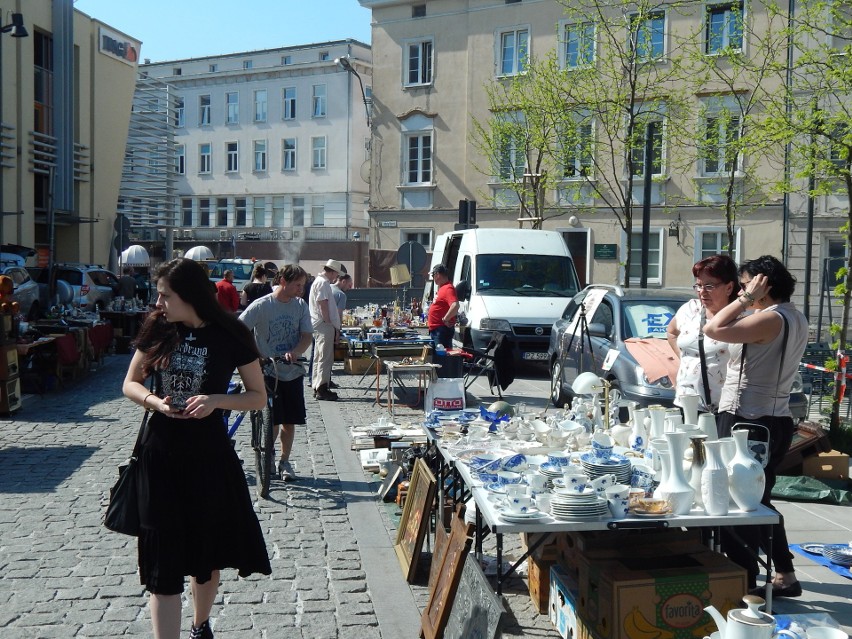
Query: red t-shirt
(228, 296)
(445, 297)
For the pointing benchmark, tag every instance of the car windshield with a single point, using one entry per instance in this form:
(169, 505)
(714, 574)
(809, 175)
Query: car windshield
(532, 275)
(648, 318)
(241, 271)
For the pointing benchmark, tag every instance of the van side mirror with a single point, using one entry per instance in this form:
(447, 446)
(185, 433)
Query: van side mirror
(597, 329)
(463, 290)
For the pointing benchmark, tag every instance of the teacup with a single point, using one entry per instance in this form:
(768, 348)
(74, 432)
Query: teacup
(516, 463)
(642, 476)
(559, 459)
(516, 490)
(618, 507)
(617, 491)
(543, 502)
(536, 482)
(506, 477)
(602, 445)
(519, 505)
(574, 475)
(578, 487)
(634, 495)
(603, 482)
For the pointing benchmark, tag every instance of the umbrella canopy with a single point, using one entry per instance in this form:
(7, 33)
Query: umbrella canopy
(135, 255)
(199, 253)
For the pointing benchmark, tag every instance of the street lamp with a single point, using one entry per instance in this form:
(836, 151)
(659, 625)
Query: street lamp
(17, 30)
(346, 64)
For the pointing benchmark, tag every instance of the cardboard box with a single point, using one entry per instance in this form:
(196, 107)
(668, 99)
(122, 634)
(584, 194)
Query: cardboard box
(661, 594)
(538, 580)
(830, 465)
(562, 603)
(358, 365)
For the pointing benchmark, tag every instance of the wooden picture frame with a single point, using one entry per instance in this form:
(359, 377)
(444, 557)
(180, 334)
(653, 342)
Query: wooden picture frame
(439, 548)
(476, 611)
(387, 491)
(437, 610)
(415, 519)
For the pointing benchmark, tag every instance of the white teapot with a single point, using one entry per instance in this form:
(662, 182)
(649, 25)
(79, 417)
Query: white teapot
(748, 623)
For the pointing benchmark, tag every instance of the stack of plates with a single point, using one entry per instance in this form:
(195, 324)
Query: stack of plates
(551, 470)
(578, 506)
(618, 465)
(533, 514)
(840, 554)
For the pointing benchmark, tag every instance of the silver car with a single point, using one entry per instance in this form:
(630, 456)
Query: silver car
(25, 292)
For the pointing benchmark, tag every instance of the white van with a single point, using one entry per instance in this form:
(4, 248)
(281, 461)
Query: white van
(515, 281)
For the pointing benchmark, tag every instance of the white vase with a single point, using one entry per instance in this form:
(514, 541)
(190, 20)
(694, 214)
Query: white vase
(674, 420)
(676, 488)
(715, 493)
(689, 403)
(657, 415)
(707, 425)
(697, 466)
(728, 448)
(662, 458)
(745, 475)
(652, 452)
(638, 438)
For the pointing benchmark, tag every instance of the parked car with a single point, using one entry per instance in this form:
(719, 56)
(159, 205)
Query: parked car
(241, 267)
(92, 286)
(617, 314)
(25, 292)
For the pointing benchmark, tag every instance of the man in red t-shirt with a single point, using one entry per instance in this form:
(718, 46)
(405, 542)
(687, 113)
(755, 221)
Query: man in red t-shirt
(226, 292)
(444, 308)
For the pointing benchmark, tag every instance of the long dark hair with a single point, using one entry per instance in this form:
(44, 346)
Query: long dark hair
(158, 338)
(722, 267)
(781, 281)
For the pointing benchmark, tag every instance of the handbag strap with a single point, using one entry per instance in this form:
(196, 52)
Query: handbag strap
(141, 434)
(704, 380)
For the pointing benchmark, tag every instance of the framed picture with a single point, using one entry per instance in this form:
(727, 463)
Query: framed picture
(387, 491)
(476, 610)
(415, 519)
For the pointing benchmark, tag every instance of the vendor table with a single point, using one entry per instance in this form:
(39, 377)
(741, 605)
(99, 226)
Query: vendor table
(488, 515)
(128, 322)
(424, 373)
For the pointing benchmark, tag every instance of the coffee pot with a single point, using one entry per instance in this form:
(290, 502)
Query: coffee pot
(748, 623)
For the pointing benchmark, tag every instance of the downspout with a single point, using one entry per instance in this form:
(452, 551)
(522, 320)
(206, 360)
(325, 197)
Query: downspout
(348, 142)
(788, 108)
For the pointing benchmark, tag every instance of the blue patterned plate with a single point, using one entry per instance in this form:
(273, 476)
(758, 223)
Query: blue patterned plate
(614, 460)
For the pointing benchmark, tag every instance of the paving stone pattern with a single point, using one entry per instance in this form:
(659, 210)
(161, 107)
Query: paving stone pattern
(63, 575)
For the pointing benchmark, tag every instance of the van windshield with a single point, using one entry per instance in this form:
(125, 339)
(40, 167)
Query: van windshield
(241, 271)
(526, 275)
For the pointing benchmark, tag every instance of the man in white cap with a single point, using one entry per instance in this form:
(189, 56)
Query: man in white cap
(325, 319)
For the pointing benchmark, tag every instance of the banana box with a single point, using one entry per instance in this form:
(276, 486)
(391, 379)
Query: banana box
(657, 597)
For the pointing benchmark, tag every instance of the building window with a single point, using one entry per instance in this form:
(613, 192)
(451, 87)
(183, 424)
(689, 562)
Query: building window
(177, 71)
(205, 160)
(838, 153)
(203, 110)
(221, 211)
(298, 211)
(260, 155)
(319, 107)
(42, 84)
(318, 152)
(186, 212)
(577, 150)
(259, 217)
(204, 212)
(648, 36)
(711, 241)
(514, 51)
(720, 148)
(232, 105)
(288, 96)
(318, 215)
(232, 155)
(260, 105)
(323, 56)
(418, 161)
(511, 158)
(655, 257)
(418, 11)
(286, 59)
(180, 159)
(180, 116)
(419, 63)
(421, 237)
(288, 154)
(637, 152)
(248, 64)
(724, 28)
(579, 44)
(279, 211)
(213, 68)
(240, 211)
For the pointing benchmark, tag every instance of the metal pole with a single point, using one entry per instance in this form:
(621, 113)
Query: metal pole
(646, 205)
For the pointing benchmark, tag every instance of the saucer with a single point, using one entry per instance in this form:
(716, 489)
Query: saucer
(530, 515)
(649, 515)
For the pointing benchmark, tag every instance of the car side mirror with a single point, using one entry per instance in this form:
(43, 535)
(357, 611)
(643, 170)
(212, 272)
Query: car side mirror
(597, 329)
(463, 290)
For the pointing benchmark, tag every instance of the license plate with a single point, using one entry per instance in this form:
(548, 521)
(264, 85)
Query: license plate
(535, 356)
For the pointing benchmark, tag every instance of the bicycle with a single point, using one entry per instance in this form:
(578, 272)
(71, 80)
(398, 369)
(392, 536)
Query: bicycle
(262, 436)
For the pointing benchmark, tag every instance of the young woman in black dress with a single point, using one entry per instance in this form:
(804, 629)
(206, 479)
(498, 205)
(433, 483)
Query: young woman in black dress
(195, 508)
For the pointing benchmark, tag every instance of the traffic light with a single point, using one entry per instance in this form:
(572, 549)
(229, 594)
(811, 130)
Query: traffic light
(122, 232)
(467, 213)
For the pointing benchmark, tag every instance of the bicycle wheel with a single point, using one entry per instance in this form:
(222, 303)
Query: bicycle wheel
(264, 449)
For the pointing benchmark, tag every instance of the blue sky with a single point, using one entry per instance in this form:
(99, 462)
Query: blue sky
(177, 29)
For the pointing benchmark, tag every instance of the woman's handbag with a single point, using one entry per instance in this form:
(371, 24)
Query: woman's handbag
(122, 513)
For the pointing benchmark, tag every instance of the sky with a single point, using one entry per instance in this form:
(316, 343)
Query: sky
(179, 29)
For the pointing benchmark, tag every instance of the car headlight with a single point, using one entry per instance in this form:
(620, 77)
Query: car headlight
(488, 324)
(663, 382)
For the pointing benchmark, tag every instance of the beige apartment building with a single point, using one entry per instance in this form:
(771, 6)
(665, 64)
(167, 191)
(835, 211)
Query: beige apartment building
(67, 84)
(432, 62)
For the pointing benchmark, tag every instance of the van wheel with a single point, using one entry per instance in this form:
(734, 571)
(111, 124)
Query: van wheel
(558, 396)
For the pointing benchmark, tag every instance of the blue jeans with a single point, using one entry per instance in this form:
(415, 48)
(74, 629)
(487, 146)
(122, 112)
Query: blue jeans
(442, 335)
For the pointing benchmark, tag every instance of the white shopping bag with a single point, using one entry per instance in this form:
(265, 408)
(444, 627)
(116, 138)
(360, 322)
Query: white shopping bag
(445, 393)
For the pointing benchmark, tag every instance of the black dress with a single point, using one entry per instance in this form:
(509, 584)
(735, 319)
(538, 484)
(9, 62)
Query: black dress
(195, 508)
